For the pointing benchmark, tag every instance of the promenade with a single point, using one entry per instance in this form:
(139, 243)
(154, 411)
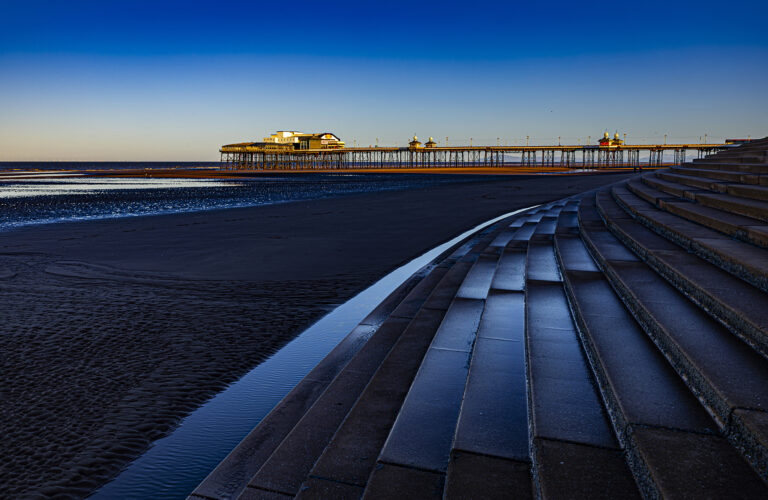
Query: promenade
(608, 345)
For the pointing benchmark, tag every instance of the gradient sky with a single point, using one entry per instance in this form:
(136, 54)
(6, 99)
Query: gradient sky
(171, 80)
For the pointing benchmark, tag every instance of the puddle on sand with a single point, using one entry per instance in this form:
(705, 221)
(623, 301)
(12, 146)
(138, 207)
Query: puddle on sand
(177, 463)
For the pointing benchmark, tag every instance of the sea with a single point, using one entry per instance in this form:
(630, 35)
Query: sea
(49, 192)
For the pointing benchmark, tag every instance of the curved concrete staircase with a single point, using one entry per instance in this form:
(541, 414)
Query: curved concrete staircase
(612, 345)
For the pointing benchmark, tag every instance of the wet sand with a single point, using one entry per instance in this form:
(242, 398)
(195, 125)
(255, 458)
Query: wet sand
(114, 330)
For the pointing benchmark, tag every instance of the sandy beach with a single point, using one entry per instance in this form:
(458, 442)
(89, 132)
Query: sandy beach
(114, 330)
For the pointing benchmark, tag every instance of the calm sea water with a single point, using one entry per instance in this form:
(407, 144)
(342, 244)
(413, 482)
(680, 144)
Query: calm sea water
(45, 198)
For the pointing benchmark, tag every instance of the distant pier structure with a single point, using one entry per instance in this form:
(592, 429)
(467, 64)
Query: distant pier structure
(291, 150)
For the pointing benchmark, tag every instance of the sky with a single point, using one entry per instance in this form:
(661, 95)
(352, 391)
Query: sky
(173, 81)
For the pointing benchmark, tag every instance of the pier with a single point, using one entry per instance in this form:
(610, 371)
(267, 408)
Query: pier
(254, 156)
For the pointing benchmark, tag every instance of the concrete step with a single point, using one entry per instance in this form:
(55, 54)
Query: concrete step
(752, 149)
(649, 405)
(733, 302)
(725, 373)
(420, 435)
(490, 456)
(738, 226)
(679, 176)
(741, 259)
(752, 192)
(669, 187)
(751, 168)
(491, 439)
(350, 457)
(756, 209)
(720, 175)
(474, 438)
(742, 157)
(575, 454)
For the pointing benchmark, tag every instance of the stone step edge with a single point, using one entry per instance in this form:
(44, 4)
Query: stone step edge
(710, 255)
(721, 175)
(621, 428)
(739, 230)
(737, 432)
(236, 461)
(642, 472)
(748, 332)
(735, 323)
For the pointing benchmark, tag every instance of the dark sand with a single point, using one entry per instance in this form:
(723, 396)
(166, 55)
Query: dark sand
(114, 330)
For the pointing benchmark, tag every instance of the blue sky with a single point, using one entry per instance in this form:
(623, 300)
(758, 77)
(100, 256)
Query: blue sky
(173, 80)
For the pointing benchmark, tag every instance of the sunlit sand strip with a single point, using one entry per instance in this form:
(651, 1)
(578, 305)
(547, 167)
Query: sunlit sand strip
(39, 175)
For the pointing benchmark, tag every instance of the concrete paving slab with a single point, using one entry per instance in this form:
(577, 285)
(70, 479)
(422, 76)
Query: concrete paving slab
(505, 236)
(320, 489)
(391, 481)
(423, 432)
(753, 192)
(459, 327)
(292, 461)
(445, 291)
(752, 434)
(756, 209)
(411, 304)
(351, 455)
(542, 264)
(565, 404)
(478, 281)
(377, 347)
(671, 188)
(494, 413)
(746, 261)
(609, 246)
(688, 465)
(526, 230)
(481, 477)
(573, 471)
(259, 494)
(568, 222)
(649, 194)
(642, 386)
(504, 316)
(546, 307)
(714, 218)
(727, 371)
(573, 254)
(547, 225)
(611, 210)
(680, 177)
(730, 298)
(510, 273)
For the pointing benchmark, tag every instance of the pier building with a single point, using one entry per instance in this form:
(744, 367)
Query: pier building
(606, 141)
(289, 140)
